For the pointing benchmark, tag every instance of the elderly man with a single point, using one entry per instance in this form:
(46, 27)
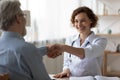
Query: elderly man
(22, 60)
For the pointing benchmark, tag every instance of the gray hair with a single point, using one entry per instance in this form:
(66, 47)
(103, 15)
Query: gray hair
(8, 11)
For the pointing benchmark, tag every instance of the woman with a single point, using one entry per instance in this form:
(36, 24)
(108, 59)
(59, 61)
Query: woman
(84, 51)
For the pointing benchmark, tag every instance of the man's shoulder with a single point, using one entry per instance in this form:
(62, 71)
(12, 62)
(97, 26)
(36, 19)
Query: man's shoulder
(28, 45)
(23, 46)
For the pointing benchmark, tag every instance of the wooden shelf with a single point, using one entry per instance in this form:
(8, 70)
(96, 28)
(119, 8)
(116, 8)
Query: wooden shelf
(110, 35)
(112, 15)
(113, 73)
(110, 52)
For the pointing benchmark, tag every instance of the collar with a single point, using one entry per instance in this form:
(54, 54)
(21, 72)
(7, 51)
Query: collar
(11, 34)
(88, 39)
(75, 37)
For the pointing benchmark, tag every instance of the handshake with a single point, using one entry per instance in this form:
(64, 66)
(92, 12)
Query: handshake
(55, 50)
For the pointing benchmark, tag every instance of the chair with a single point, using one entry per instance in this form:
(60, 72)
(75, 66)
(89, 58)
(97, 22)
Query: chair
(4, 77)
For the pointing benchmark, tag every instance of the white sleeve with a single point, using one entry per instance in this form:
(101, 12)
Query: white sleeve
(96, 48)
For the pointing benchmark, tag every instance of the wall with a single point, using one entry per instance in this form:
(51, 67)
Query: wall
(111, 18)
(112, 43)
(107, 23)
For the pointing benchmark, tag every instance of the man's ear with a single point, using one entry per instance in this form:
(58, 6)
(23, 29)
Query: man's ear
(18, 18)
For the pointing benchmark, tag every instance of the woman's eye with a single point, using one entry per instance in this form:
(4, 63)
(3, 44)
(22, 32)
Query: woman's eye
(83, 20)
(76, 21)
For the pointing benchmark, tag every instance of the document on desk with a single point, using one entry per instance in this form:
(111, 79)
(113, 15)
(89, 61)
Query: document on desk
(106, 78)
(82, 78)
(94, 78)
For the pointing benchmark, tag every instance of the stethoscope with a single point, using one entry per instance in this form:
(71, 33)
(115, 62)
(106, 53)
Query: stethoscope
(71, 45)
(70, 60)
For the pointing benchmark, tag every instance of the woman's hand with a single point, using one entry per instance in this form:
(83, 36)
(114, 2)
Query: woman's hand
(65, 73)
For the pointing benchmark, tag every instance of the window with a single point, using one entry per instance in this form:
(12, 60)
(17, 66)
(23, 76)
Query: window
(49, 19)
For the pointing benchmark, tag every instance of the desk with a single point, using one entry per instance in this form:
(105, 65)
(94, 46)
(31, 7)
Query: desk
(51, 76)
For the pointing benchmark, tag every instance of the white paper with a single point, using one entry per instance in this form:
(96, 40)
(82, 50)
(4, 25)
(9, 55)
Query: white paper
(106, 78)
(87, 78)
(82, 78)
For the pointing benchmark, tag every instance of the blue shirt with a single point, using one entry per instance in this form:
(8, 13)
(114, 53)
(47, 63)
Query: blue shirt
(91, 65)
(23, 60)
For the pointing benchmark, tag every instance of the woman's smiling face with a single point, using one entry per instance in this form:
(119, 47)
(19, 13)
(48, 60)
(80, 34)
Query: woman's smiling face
(82, 22)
